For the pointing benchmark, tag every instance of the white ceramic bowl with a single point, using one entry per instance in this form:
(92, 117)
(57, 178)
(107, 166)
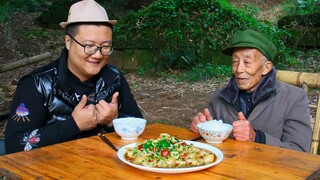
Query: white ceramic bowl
(129, 128)
(214, 131)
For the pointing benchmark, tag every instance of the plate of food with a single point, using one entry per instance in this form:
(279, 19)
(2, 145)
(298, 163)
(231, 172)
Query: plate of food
(168, 154)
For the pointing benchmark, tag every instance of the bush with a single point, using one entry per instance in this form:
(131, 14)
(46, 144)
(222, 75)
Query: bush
(202, 27)
(56, 13)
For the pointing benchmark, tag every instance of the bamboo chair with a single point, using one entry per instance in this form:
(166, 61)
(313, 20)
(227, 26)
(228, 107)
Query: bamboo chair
(306, 81)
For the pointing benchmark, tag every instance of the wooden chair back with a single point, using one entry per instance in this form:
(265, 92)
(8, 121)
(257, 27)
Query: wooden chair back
(306, 81)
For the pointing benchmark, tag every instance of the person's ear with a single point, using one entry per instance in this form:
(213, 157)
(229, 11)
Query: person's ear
(67, 41)
(267, 66)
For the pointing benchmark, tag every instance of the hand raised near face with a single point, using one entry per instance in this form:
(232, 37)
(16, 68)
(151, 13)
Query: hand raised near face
(199, 118)
(106, 112)
(85, 115)
(242, 129)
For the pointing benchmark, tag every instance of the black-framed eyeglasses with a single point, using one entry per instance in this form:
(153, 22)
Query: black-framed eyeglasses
(92, 49)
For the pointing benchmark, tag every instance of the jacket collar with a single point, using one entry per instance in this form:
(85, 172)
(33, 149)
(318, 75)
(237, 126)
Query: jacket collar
(266, 87)
(109, 74)
(107, 84)
(63, 71)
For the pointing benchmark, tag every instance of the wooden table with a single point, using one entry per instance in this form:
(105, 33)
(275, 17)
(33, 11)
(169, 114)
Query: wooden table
(91, 158)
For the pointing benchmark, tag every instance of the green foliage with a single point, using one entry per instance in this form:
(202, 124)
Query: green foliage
(116, 3)
(34, 33)
(177, 58)
(307, 6)
(137, 4)
(141, 71)
(196, 28)
(170, 58)
(302, 20)
(28, 5)
(300, 7)
(206, 72)
(251, 10)
(5, 11)
(7, 7)
(54, 14)
(5, 17)
(300, 13)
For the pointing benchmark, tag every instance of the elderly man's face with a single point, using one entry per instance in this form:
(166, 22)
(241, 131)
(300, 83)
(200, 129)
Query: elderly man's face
(248, 68)
(82, 65)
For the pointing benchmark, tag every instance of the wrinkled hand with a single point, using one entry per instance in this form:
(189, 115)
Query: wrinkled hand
(84, 116)
(242, 129)
(199, 118)
(106, 112)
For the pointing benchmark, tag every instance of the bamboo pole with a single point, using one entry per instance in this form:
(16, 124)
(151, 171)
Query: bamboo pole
(298, 78)
(316, 131)
(306, 80)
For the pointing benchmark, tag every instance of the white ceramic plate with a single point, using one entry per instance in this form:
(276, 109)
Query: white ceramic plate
(210, 148)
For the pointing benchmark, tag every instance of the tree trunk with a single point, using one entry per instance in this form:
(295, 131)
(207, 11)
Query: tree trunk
(24, 62)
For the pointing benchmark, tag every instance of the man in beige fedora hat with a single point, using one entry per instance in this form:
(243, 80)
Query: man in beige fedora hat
(260, 108)
(76, 96)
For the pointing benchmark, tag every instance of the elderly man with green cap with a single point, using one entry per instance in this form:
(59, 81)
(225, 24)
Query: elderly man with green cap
(260, 108)
(79, 94)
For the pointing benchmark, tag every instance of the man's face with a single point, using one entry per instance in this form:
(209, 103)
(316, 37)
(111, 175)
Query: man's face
(82, 65)
(248, 68)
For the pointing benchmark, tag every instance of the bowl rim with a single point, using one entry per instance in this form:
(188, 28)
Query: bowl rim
(121, 120)
(229, 126)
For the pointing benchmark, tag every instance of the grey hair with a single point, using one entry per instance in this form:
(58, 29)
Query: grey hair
(264, 58)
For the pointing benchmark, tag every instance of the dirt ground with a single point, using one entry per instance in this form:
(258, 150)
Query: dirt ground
(170, 102)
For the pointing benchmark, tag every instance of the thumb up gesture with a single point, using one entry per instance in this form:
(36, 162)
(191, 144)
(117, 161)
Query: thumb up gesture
(84, 115)
(242, 129)
(106, 112)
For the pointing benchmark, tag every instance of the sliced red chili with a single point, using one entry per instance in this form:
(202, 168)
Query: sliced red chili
(165, 153)
(184, 157)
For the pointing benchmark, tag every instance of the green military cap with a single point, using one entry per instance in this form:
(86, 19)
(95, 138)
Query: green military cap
(252, 39)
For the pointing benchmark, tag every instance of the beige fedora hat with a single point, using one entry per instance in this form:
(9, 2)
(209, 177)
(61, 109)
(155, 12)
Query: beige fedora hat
(87, 11)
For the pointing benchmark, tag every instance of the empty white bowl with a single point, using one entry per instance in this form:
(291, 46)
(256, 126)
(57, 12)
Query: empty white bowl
(129, 128)
(214, 131)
